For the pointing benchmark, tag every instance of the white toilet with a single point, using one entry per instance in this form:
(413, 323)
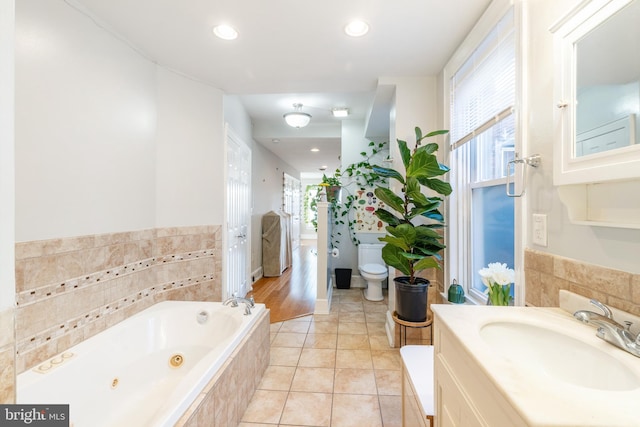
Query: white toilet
(372, 269)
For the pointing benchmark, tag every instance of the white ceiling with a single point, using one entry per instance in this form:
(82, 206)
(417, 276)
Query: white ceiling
(293, 51)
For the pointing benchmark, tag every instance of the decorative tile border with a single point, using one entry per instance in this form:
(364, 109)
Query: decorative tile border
(31, 296)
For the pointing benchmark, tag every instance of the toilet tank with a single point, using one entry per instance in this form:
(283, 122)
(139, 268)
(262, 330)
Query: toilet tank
(370, 253)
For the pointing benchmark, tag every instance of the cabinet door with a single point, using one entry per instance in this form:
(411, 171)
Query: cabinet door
(452, 410)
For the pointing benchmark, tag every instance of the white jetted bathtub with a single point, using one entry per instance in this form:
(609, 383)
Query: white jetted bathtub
(144, 371)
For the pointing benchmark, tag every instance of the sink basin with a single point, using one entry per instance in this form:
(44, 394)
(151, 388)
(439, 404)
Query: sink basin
(558, 355)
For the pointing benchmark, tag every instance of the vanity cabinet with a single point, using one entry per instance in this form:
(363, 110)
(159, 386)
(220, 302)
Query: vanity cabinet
(464, 395)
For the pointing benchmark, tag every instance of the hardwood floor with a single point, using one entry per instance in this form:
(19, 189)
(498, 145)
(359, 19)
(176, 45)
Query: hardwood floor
(293, 294)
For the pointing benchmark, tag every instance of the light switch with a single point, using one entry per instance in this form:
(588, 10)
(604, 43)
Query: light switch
(540, 229)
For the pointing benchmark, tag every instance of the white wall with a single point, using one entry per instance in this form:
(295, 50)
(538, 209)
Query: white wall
(106, 140)
(190, 143)
(7, 169)
(85, 127)
(615, 248)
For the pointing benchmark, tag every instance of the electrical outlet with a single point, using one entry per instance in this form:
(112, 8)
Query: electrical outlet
(540, 229)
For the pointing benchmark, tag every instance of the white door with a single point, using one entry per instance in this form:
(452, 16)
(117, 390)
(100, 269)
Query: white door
(237, 253)
(291, 204)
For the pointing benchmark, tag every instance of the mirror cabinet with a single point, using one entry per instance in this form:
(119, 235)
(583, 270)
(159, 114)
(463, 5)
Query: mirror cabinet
(597, 112)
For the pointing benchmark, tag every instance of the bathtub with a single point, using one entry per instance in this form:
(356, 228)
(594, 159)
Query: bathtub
(144, 371)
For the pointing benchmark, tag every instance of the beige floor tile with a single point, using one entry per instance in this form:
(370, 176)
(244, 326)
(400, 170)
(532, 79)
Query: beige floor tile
(308, 409)
(352, 410)
(376, 307)
(352, 328)
(391, 409)
(329, 327)
(355, 381)
(357, 316)
(284, 356)
(277, 378)
(265, 407)
(354, 296)
(317, 358)
(254, 425)
(379, 342)
(320, 341)
(353, 341)
(331, 317)
(376, 317)
(294, 326)
(376, 328)
(358, 359)
(350, 307)
(274, 327)
(308, 318)
(389, 382)
(288, 339)
(319, 380)
(386, 359)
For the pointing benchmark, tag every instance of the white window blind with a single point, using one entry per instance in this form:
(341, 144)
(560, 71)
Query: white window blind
(483, 88)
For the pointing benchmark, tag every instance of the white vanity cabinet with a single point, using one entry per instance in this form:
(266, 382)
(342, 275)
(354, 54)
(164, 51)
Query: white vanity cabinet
(464, 394)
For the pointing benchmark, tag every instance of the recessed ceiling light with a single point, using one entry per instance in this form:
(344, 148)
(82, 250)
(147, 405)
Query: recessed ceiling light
(356, 28)
(340, 112)
(275, 140)
(315, 150)
(225, 32)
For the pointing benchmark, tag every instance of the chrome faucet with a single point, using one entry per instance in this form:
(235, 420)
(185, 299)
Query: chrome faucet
(610, 330)
(248, 303)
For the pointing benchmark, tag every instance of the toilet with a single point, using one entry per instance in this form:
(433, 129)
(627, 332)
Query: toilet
(372, 269)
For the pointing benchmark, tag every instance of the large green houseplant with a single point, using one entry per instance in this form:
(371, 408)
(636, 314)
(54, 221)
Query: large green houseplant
(413, 242)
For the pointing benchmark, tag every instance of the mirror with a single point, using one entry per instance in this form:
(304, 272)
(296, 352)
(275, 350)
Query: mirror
(597, 89)
(608, 84)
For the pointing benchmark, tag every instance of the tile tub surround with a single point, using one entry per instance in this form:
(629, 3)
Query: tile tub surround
(225, 398)
(7, 357)
(333, 370)
(70, 289)
(546, 274)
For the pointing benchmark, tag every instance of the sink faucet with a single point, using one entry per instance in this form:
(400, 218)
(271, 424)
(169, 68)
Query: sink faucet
(234, 300)
(610, 330)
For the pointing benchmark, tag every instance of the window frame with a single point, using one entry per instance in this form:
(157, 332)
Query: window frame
(458, 253)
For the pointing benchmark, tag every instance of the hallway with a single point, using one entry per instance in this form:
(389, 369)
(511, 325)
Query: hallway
(292, 294)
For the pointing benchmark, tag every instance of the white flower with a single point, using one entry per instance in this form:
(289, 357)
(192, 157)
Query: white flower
(497, 273)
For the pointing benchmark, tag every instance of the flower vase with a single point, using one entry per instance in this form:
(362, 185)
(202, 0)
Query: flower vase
(499, 295)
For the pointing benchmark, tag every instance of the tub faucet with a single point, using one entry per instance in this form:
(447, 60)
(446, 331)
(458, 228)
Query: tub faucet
(610, 330)
(248, 303)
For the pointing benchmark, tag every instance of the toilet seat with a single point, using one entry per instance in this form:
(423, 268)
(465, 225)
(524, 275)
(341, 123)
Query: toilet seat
(375, 269)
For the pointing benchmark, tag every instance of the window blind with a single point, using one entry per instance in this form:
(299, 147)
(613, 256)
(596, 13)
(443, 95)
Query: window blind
(483, 88)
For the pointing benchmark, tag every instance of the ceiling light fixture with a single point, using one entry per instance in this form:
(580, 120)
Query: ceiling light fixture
(340, 112)
(297, 118)
(356, 28)
(315, 150)
(225, 32)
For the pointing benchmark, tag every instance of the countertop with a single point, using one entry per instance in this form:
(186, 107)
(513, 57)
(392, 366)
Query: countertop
(539, 397)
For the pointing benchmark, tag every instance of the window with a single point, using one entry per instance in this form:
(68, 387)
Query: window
(483, 140)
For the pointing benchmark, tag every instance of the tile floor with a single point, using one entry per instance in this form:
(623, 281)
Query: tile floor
(334, 370)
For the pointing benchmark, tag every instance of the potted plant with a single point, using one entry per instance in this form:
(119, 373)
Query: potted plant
(413, 242)
(332, 186)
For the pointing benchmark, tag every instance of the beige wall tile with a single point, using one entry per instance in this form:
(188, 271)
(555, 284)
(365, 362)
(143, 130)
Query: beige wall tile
(7, 375)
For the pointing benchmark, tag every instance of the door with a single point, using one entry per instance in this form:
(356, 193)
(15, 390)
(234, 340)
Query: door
(291, 204)
(237, 248)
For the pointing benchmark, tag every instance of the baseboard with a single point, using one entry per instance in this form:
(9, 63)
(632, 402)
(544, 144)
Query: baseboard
(256, 275)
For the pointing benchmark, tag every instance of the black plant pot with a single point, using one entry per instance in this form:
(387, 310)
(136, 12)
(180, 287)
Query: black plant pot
(411, 300)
